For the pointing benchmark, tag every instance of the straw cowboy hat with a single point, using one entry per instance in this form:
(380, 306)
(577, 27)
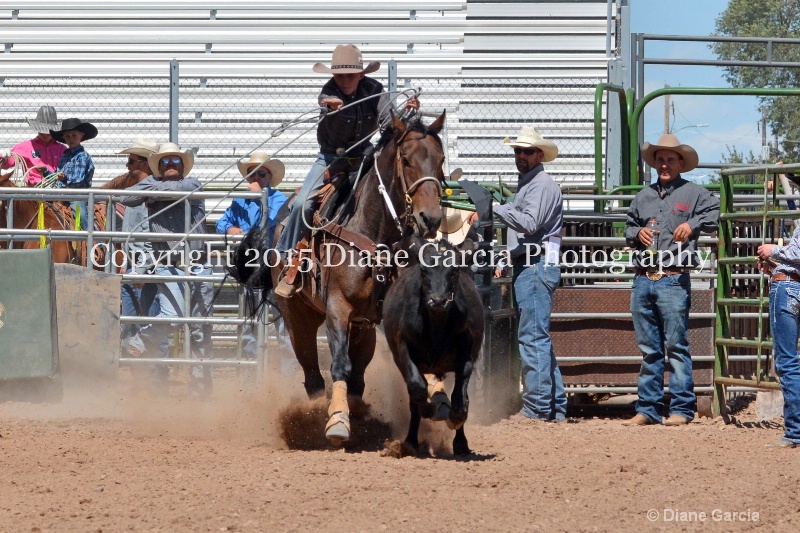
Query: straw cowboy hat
(88, 129)
(261, 159)
(347, 60)
(141, 147)
(454, 226)
(530, 138)
(668, 141)
(46, 120)
(171, 149)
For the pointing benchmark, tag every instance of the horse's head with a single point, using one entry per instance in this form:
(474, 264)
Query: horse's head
(418, 166)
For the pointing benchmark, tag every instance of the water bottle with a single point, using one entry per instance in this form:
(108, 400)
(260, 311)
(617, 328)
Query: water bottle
(655, 231)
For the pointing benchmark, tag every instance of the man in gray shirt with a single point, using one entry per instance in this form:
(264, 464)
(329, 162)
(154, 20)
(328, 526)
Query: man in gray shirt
(661, 296)
(534, 219)
(170, 167)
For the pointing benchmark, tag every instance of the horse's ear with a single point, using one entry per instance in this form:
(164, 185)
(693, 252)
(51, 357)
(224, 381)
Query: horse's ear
(398, 126)
(438, 124)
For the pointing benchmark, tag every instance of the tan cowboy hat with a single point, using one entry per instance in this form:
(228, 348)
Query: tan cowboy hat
(454, 226)
(141, 147)
(668, 141)
(261, 159)
(46, 120)
(530, 138)
(171, 149)
(347, 60)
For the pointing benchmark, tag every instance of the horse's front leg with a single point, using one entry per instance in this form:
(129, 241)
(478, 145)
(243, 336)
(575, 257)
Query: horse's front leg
(337, 430)
(302, 325)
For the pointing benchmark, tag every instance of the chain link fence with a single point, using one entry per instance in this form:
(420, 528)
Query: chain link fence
(224, 118)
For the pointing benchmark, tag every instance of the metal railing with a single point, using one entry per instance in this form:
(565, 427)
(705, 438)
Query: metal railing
(110, 238)
(729, 333)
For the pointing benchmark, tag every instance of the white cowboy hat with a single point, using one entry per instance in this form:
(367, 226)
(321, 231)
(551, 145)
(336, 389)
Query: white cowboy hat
(454, 226)
(171, 149)
(530, 138)
(668, 141)
(347, 60)
(141, 147)
(261, 159)
(46, 120)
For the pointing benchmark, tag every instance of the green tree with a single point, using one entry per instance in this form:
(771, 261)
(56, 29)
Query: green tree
(737, 157)
(766, 18)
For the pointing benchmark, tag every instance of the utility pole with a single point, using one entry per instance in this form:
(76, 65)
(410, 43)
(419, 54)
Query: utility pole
(666, 110)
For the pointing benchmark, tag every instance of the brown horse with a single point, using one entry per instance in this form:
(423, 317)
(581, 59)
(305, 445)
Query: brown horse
(409, 165)
(56, 217)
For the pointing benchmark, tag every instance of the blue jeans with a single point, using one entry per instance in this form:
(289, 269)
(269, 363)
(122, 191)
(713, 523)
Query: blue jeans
(784, 312)
(660, 312)
(543, 396)
(172, 305)
(140, 302)
(295, 229)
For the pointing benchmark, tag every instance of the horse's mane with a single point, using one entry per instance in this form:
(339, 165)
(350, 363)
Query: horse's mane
(413, 123)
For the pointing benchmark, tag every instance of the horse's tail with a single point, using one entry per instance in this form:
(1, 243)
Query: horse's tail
(244, 264)
(255, 306)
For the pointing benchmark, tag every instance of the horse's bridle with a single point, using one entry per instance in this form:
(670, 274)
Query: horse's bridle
(408, 192)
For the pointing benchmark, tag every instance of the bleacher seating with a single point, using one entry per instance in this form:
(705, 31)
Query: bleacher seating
(245, 69)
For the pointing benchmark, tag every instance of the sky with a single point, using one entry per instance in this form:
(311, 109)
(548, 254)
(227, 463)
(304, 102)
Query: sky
(707, 123)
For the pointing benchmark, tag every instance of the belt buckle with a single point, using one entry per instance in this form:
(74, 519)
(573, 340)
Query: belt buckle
(655, 275)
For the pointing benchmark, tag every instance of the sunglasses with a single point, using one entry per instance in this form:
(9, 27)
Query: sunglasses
(175, 160)
(526, 151)
(131, 160)
(262, 173)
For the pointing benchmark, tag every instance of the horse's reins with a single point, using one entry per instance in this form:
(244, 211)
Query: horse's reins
(408, 192)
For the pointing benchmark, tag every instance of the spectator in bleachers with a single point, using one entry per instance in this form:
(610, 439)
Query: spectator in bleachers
(243, 214)
(76, 167)
(344, 134)
(42, 153)
(171, 167)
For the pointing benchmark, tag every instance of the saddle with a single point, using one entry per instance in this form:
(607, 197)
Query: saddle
(330, 215)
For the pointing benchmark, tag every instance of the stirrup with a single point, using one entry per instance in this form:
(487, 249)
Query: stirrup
(284, 289)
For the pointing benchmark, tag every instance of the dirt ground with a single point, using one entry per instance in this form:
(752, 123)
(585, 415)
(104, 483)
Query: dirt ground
(112, 457)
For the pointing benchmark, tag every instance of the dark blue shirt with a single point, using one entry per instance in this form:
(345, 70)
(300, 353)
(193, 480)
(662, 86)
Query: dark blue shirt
(78, 167)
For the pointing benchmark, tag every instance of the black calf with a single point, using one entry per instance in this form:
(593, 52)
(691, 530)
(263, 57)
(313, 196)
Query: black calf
(433, 320)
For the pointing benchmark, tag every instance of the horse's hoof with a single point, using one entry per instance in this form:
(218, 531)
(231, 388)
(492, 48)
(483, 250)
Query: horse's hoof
(457, 423)
(461, 449)
(337, 430)
(441, 405)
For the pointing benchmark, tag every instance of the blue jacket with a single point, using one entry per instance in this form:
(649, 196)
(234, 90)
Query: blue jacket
(244, 213)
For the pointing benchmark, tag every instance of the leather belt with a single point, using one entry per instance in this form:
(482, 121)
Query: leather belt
(655, 275)
(336, 151)
(784, 277)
